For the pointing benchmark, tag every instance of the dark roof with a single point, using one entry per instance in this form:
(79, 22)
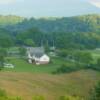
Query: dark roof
(35, 51)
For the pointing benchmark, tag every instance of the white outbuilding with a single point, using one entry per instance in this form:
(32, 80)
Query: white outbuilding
(37, 55)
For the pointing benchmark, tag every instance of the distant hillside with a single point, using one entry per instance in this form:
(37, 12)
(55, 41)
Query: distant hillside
(9, 20)
(67, 32)
(87, 23)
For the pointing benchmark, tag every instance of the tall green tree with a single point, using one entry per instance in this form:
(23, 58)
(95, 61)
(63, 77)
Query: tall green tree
(95, 95)
(3, 54)
(22, 51)
(29, 42)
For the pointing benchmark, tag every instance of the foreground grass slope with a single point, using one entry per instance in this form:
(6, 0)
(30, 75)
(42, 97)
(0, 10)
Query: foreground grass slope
(50, 86)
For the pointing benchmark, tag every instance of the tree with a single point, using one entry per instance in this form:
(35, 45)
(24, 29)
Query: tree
(98, 62)
(63, 53)
(3, 96)
(38, 98)
(2, 93)
(95, 95)
(84, 57)
(70, 98)
(66, 69)
(2, 60)
(3, 54)
(29, 42)
(22, 51)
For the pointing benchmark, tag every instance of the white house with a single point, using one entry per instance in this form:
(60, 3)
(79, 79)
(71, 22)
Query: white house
(37, 55)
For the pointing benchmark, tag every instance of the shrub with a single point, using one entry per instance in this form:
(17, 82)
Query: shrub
(97, 66)
(3, 96)
(63, 53)
(2, 93)
(70, 98)
(67, 69)
(38, 98)
(95, 95)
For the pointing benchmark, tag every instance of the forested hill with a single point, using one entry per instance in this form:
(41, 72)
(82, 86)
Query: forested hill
(67, 32)
(87, 23)
(10, 20)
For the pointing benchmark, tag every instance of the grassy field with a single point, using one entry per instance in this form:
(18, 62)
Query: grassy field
(27, 80)
(50, 86)
(22, 65)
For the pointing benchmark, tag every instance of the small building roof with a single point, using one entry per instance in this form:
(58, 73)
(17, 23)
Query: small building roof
(36, 51)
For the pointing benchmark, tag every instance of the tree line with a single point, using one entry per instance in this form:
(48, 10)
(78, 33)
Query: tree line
(79, 32)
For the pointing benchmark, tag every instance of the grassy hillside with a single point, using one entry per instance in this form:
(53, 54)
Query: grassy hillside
(27, 85)
(86, 23)
(78, 32)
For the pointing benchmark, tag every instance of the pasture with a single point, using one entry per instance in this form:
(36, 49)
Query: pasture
(22, 65)
(50, 86)
(27, 80)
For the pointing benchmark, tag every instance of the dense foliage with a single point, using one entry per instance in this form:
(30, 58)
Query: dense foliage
(95, 95)
(87, 23)
(10, 20)
(79, 32)
(3, 96)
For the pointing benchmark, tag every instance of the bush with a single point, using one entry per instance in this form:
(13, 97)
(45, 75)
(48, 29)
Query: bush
(63, 53)
(67, 69)
(2, 93)
(70, 98)
(95, 95)
(38, 98)
(83, 57)
(97, 66)
(3, 96)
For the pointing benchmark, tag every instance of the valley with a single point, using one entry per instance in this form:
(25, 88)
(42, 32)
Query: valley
(71, 43)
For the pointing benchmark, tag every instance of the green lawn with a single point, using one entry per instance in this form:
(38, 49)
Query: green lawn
(32, 82)
(22, 65)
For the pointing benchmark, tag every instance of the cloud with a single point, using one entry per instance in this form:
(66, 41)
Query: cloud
(95, 3)
(4, 2)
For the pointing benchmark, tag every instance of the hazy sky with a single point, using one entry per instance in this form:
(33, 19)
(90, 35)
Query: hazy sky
(41, 8)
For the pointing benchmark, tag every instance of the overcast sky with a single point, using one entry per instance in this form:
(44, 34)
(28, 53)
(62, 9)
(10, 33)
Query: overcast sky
(49, 8)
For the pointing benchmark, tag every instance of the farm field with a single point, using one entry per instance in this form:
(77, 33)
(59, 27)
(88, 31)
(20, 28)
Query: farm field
(28, 80)
(50, 86)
